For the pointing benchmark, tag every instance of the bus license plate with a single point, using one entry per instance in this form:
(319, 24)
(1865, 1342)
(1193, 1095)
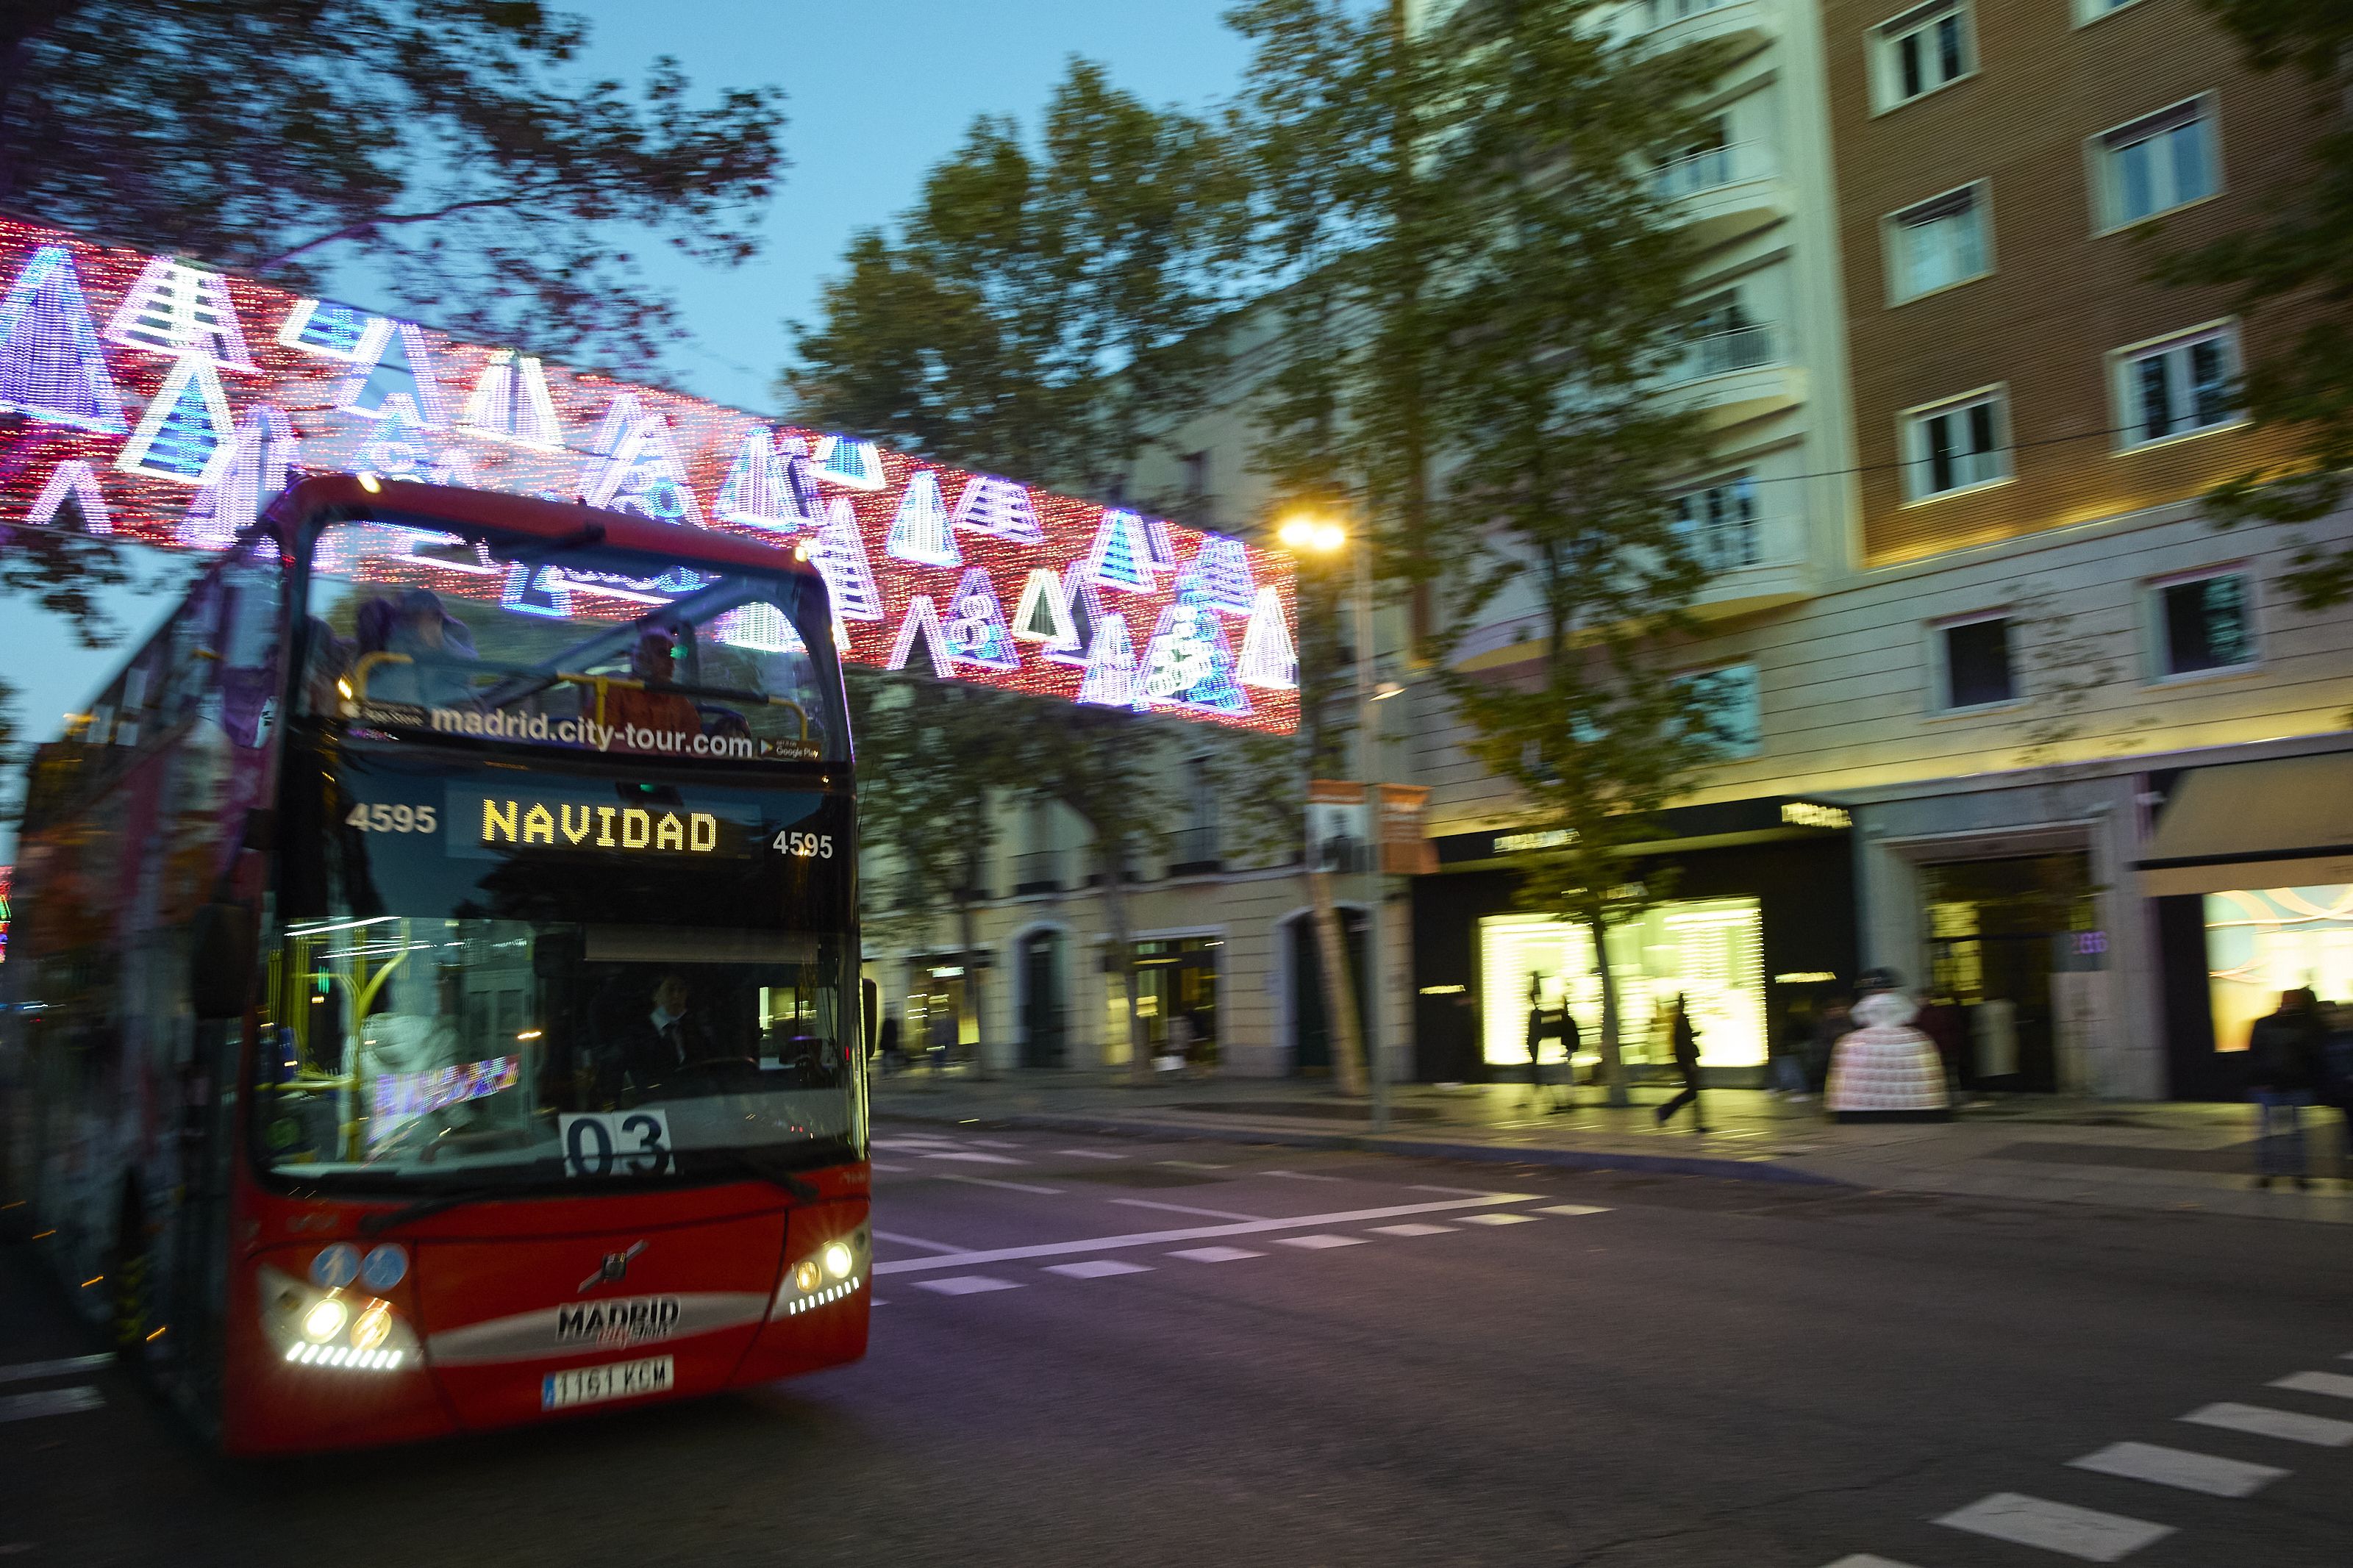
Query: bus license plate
(595, 1384)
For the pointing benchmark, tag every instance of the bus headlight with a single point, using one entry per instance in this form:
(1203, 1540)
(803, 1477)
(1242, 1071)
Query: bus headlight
(839, 1258)
(310, 1326)
(831, 1273)
(807, 1277)
(374, 1326)
(324, 1321)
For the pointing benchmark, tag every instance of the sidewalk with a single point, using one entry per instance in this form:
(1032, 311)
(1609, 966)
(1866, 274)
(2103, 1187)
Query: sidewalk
(2038, 1147)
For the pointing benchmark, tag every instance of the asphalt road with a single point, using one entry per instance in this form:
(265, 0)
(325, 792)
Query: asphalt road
(1357, 1365)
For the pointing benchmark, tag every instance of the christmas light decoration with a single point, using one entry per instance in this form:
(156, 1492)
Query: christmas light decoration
(260, 461)
(1043, 615)
(537, 591)
(72, 499)
(1110, 679)
(1269, 661)
(761, 627)
(510, 403)
(854, 465)
(179, 311)
(840, 556)
(1120, 556)
(921, 620)
(762, 491)
(1155, 538)
(975, 625)
(185, 429)
(919, 529)
(51, 366)
(333, 332)
(400, 377)
(1187, 663)
(1000, 507)
(1221, 574)
(640, 472)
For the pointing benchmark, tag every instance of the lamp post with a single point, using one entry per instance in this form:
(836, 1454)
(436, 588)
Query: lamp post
(1312, 536)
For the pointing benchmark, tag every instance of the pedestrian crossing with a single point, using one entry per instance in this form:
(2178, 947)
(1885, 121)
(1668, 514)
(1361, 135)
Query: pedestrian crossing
(32, 1405)
(2070, 1530)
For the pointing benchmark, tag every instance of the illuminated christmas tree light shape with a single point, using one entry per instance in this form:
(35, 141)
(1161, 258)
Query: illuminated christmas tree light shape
(975, 625)
(922, 618)
(1043, 616)
(532, 590)
(760, 627)
(759, 491)
(853, 465)
(639, 471)
(1269, 660)
(72, 499)
(1110, 679)
(52, 367)
(334, 332)
(261, 457)
(184, 434)
(452, 467)
(919, 530)
(177, 309)
(397, 377)
(510, 403)
(1221, 574)
(838, 553)
(1000, 507)
(1164, 553)
(1120, 556)
(1187, 663)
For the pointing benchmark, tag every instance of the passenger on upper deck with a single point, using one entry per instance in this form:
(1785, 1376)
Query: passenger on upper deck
(654, 661)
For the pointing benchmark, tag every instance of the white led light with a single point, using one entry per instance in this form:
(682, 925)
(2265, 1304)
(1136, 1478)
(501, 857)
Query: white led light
(391, 1358)
(293, 1352)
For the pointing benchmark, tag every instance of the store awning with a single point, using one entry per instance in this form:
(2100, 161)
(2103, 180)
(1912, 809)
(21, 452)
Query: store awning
(2286, 823)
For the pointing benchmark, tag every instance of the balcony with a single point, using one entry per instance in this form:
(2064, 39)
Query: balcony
(1038, 871)
(1719, 194)
(1746, 23)
(1195, 850)
(1753, 564)
(1738, 374)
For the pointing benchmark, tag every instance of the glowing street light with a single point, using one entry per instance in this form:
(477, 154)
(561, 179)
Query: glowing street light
(1308, 535)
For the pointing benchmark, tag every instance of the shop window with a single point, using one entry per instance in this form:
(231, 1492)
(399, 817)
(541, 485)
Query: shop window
(1709, 951)
(2260, 943)
(1975, 656)
(2205, 624)
(2177, 388)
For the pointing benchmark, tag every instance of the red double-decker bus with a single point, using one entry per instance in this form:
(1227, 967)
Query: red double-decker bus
(433, 1002)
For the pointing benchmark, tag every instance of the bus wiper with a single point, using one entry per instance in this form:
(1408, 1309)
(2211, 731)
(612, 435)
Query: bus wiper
(747, 1163)
(440, 1202)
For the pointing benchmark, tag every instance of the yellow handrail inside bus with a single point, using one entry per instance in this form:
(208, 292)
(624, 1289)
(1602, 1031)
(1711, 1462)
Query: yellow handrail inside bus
(363, 670)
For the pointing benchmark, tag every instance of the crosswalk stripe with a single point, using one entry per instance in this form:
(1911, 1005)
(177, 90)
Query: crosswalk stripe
(27, 1371)
(1098, 1268)
(967, 1284)
(49, 1402)
(2179, 1468)
(2319, 1430)
(1300, 1176)
(885, 1165)
(2335, 1385)
(2083, 1532)
(1090, 1153)
(1414, 1229)
(1217, 1254)
(1498, 1220)
(1574, 1209)
(1319, 1243)
(995, 1143)
(916, 1241)
(1184, 1208)
(1865, 1560)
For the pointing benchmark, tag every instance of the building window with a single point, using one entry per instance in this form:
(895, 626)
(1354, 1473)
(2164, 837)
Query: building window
(2177, 387)
(1954, 445)
(1730, 713)
(2092, 10)
(1924, 48)
(2205, 624)
(2157, 164)
(1710, 952)
(1938, 243)
(1975, 655)
(1719, 524)
(1196, 466)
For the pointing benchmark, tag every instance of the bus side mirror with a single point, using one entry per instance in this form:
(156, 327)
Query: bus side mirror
(220, 960)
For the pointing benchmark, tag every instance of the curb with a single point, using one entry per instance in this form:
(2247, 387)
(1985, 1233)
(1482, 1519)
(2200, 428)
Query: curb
(1419, 1148)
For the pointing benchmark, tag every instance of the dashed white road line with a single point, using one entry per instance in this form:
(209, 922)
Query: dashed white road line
(49, 1402)
(916, 1241)
(1321, 1242)
(1184, 1208)
(1197, 1233)
(1005, 1186)
(885, 1166)
(2335, 1385)
(1574, 1209)
(1098, 1268)
(2318, 1430)
(2083, 1532)
(1498, 1219)
(1459, 1191)
(1410, 1229)
(970, 1157)
(1090, 1153)
(1865, 1560)
(25, 1371)
(1190, 1164)
(1216, 1254)
(967, 1284)
(2179, 1468)
(995, 1143)
(1301, 1176)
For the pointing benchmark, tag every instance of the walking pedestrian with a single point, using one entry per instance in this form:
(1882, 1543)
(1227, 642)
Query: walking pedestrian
(1830, 1027)
(1537, 1030)
(2336, 1079)
(1787, 1066)
(2284, 1054)
(892, 1061)
(1564, 1026)
(1684, 1041)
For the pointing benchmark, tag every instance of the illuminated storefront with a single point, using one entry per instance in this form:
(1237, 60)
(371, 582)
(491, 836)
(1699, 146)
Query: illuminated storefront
(2260, 943)
(1710, 952)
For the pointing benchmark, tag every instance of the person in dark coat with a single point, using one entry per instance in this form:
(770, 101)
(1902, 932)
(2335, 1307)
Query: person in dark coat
(1537, 1029)
(661, 1044)
(1686, 1042)
(2284, 1053)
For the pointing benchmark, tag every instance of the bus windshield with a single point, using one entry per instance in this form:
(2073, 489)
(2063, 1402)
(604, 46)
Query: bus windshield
(464, 632)
(431, 1053)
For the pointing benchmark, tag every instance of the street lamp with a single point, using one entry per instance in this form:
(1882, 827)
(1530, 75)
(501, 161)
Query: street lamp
(1307, 534)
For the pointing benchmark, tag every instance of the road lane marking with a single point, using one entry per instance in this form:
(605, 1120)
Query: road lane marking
(1098, 1268)
(1320, 1243)
(1574, 1209)
(914, 1142)
(2318, 1430)
(881, 1165)
(1003, 1186)
(1301, 1176)
(1217, 1254)
(1189, 1164)
(25, 1371)
(1459, 1192)
(1089, 1153)
(1865, 1560)
(49, 1402)
(2335, 1385)
(1498, 1220)
(2179, 1468)
(971, 1158)
(995, 1143)
(1199, 1233)
(2083, 1532)
(916, 1241)
(1414, 1229)
(967, 1284)
(1184, 1208)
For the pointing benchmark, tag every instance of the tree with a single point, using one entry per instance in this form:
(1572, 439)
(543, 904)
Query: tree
(1563, 323)
(2303, 256)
